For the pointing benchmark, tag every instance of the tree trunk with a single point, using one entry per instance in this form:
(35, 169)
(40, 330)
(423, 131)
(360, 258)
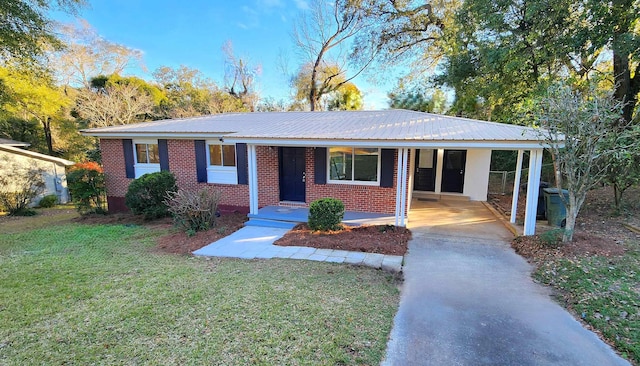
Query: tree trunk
(572, 214)
(46, 126)
(622, 76)
(617, 196)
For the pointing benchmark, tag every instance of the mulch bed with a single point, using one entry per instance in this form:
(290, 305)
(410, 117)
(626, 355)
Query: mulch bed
(599, 231)
(383, 239)
(180, 243)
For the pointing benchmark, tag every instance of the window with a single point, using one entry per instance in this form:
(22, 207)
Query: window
(354, 164)
(222, 155)
(147, 154)
(222, 164)
(147, 157)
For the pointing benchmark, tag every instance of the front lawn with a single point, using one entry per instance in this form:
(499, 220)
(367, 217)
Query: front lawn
(604, 292)
(103, 294)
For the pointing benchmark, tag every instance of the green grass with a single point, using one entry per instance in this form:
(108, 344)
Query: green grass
(80, 294)
(604, 292)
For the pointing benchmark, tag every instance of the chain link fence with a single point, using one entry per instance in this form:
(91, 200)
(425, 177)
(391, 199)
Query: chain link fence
(501, 181)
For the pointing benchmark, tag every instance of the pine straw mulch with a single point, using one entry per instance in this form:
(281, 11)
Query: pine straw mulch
(599, 230)
(383, 239)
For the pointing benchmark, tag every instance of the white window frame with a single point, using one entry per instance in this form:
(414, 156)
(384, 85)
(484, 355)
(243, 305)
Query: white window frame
(353, 181)
(221, 174)
(144, 168)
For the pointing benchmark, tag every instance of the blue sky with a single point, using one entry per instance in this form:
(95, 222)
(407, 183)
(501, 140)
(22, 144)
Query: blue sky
(192, 32)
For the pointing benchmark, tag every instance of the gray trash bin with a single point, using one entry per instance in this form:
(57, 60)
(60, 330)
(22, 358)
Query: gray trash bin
(556, 211)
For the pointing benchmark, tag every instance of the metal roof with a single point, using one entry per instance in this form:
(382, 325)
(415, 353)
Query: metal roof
(35, 155)
(13, 143)
(386, 125)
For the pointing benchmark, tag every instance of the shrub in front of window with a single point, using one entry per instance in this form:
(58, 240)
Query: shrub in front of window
(19, 186)
(48, 201)
(146, 194)
(193, 211)
(87, 187)
(326, 214)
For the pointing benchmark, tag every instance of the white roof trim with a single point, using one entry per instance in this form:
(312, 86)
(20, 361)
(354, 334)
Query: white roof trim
(36, 155)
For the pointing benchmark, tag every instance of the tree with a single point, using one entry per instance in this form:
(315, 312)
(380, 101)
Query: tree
(347, 98)
(613, 25)
(417, 99)
(239, 77)
(33, 95)
(25, 30)
(189, 93)
(578, 127)
(88, 55)
(623, 166)
(321, 37)
(404, 30)
(114, 102)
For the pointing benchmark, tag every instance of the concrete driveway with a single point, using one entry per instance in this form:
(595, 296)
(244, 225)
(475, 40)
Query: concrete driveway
(468, 299)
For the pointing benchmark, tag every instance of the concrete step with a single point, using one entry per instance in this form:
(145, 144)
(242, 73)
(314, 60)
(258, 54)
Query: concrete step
(254, 221)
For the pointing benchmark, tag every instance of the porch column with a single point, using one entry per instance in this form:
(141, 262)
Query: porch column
(253, 179)
(399, 178)
(516, 187)
(403, 193)
(533, 185)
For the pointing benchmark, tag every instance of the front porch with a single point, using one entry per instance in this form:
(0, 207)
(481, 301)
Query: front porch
(288, 217)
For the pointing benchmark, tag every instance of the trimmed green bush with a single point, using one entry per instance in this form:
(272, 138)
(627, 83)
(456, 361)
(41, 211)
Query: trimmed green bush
(47, 201)
(193, 211)
(326, 214)
(87, 187)
(146, 195)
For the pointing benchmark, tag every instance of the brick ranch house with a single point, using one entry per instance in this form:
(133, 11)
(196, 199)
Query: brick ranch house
(374, 161)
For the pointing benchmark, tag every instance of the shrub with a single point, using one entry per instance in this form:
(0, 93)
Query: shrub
(552, 238)
(19, 186)
(193, 211)
(146, 194)
(326, 214)
(49, 200)
(87, 187)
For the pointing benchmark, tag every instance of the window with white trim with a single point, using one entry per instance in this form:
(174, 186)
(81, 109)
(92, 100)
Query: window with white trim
(147, 158)
(359, 165)
(222, 163)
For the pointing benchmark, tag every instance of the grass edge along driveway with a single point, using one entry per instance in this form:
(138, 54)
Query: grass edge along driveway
(83, 294)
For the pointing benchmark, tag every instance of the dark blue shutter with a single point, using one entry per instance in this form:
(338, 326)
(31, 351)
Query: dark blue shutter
(387, 160)
(163, 151)
(320, 165)
(242, 164)
(127, 149)
(201, 160)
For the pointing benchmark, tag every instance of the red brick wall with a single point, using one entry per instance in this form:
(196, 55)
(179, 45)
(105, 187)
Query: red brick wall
(115, 174)
(363, 198)
(182, 163)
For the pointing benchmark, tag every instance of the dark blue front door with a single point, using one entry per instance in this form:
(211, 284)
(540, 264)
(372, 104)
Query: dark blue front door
(292, 174)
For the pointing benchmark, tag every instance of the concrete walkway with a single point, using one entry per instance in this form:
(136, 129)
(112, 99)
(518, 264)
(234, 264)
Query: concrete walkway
(468, 299)
(257, 242)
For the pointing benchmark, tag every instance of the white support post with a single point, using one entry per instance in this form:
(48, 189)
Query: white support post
(399, 176)
(533, 185)
(403, 198)
(516, 187)
(411, 172)
(253, 180)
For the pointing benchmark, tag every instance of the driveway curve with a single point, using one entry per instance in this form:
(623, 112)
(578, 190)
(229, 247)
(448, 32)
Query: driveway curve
(468, 299)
